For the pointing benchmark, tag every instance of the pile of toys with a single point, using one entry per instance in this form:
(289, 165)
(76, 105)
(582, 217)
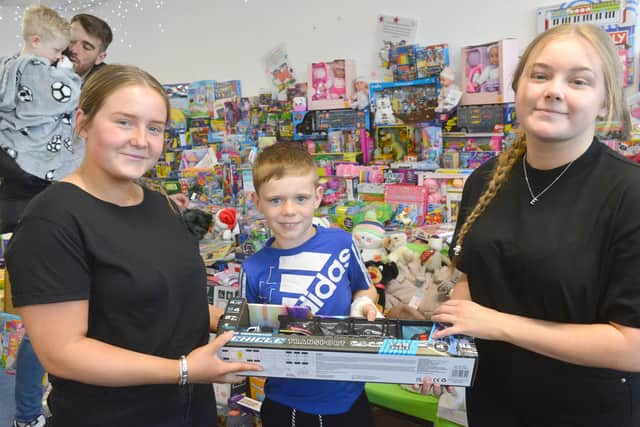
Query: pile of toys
(392, 157)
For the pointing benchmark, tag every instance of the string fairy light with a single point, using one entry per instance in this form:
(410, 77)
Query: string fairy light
(114, 12)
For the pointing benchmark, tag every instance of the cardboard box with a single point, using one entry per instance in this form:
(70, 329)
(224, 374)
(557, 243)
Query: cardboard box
(488, 72)
(342, 348)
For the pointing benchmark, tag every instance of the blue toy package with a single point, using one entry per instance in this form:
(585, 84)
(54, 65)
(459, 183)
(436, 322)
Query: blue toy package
(178, 94)
(412, 102)
(201, 98)
(431, 60)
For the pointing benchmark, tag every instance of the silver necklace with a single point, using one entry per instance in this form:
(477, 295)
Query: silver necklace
(536, 197)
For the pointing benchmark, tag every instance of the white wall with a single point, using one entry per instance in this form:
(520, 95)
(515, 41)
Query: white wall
(187, 40)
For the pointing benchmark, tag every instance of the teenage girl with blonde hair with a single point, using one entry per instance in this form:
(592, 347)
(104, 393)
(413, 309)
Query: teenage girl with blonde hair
(548, 239)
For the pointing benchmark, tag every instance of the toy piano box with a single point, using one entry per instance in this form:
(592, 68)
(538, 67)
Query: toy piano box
(290, 343)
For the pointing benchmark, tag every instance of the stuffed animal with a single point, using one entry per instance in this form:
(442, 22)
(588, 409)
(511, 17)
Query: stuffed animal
(417, 287)
(197, 221)
(381, 274)
(226, 223)
(434, 259)
(408, 261)
(369, 235)
(421, 296)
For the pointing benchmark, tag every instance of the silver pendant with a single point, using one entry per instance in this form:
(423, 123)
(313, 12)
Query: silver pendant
(533, 201)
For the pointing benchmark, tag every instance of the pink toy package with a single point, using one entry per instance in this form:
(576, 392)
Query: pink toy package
(488, 72)
(332, 84)
(408, 195)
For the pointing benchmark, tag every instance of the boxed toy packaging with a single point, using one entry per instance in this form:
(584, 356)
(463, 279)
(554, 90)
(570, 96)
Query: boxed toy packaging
(331, 84)
(289, 343)
(488, 71)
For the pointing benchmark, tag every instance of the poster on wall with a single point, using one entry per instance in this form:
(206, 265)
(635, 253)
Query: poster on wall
(279, 71)
(391, 31)
(616, 17)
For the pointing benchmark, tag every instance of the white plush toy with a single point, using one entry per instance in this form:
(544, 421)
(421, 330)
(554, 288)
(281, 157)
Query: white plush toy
(437, 259)
(369, 235)
(405, 258)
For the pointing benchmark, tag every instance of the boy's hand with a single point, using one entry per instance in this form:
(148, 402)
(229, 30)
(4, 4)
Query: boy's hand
(370, 311)
(363, 306)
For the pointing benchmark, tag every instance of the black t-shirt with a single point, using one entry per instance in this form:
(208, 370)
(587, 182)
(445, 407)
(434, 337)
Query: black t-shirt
(571, 258)
(138, 267)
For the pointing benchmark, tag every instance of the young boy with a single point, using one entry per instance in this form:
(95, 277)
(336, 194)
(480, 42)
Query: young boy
(304, 265)
(37, 104)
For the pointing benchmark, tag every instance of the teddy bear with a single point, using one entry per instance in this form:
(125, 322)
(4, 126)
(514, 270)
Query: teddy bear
(407, 260)
(197, 221)
(434, 259)
(381, 274)
(417, 286)
(413, 297)
(369, 236)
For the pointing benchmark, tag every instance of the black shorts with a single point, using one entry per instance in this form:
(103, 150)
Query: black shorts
(273, 414)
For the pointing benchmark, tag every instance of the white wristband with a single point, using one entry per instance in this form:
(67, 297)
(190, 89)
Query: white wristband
(184, 371)
(359, 303)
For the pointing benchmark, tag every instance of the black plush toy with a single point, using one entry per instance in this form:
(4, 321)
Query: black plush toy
(381, 274)
(198, 222)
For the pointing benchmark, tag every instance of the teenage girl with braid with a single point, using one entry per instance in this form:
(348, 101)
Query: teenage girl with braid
(548, 240)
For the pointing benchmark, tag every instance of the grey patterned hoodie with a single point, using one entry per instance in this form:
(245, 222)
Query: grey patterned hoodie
(37, 107)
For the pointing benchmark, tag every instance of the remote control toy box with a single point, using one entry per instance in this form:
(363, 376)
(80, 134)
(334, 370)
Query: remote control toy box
(291, 343)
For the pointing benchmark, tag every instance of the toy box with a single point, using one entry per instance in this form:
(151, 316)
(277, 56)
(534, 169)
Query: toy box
(484, 118)
(200, 132)
(445, 193)
(409, 198)
(316, 124)
(338, 188)
(201, 98)
(331, 84)
(488, 72)
(431, 60)
(11, 333)
(402, 61)
(394, 143)
(178, 94)
(227, 96)
(409, 102)
(288, 343)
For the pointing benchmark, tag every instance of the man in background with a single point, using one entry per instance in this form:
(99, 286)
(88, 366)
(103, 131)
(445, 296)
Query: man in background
(90, 38)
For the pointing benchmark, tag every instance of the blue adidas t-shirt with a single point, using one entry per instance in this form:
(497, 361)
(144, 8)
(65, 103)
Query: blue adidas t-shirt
(322, 274)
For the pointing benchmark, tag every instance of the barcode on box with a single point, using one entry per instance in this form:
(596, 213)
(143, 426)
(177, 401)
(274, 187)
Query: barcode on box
(460, 372)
